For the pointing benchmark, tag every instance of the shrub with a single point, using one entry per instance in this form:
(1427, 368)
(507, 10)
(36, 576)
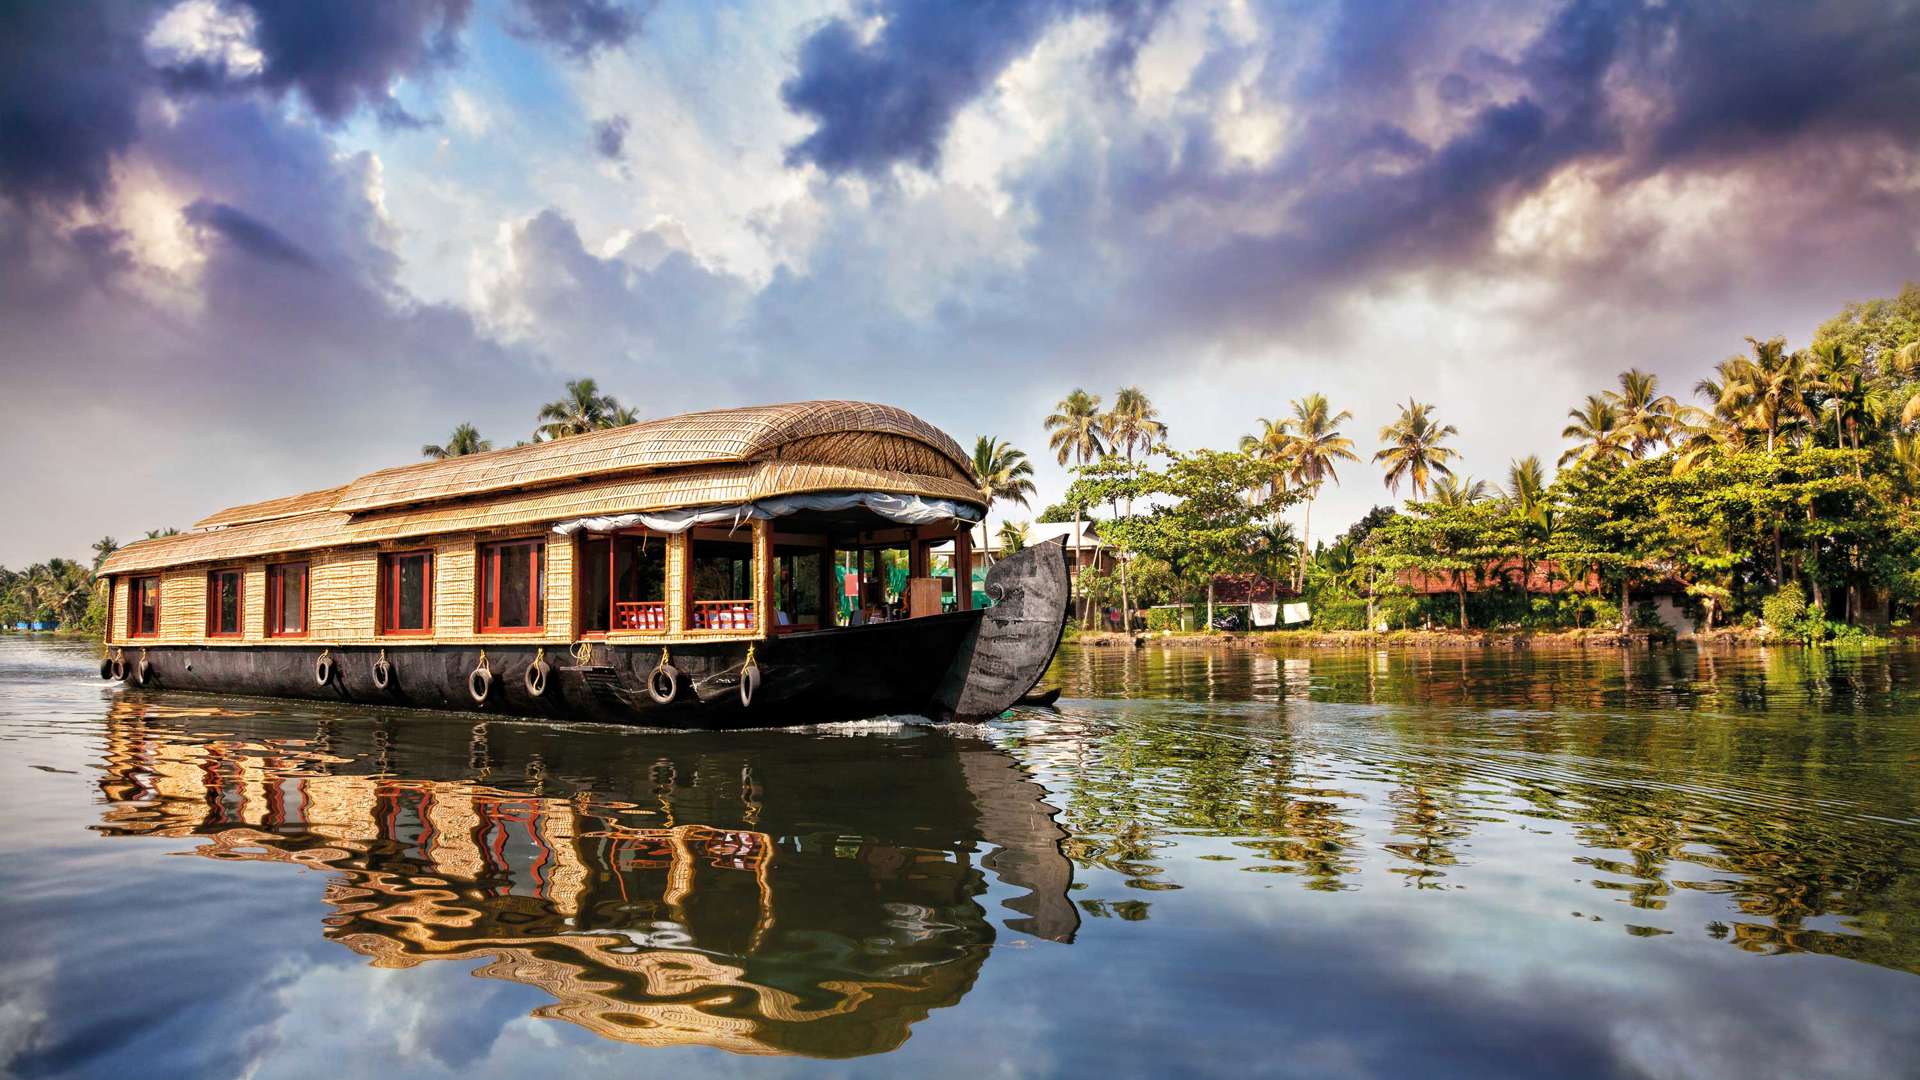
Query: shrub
(1783, 611)
(1163, 618)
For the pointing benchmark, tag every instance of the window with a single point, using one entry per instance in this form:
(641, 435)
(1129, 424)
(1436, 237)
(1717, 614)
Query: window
(143, 607)
(623, 583)
(287, 600)
(406, 592)
(223, 603)
(722, 586)
(513, 585)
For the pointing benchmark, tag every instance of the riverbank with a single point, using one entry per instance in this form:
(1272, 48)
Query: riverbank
(1588, 638)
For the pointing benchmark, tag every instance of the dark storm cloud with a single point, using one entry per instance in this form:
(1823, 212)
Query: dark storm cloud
(892, 99)
(70, 76)
(245, 233)
(339, 55)
(580, 27)
(610, 137)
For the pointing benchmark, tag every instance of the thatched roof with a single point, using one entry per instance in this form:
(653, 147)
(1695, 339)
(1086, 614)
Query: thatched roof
(733, 455)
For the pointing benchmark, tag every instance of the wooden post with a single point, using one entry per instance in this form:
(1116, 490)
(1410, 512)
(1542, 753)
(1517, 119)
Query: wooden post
(963, 569)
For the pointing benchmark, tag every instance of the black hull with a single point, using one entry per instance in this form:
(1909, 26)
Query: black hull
(806, 678)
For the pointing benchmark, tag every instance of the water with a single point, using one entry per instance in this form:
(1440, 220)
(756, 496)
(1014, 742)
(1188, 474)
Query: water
(1339, 863)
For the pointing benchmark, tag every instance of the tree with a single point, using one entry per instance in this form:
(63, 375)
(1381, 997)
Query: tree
(1013, 536)
(1075, 430)
(464, 440)
(1598, 430)
(1202, 524)
(1134, 422)
(1317, 445)
(583, 409)
(1416, 447)
(102, 548)
(1646, 415)
(1764, 389)
(1054, 514)
(1454, 491)
(1001, 472)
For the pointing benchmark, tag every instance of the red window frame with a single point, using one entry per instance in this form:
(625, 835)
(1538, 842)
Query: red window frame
(487, 586)
(276, 574)
(389, 592)
(138, 625)
(239, 602)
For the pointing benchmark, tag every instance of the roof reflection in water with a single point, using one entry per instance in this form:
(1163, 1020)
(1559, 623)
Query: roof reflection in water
(761, 893)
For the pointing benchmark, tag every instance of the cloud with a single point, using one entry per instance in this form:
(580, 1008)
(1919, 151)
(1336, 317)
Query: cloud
(70, 76)
(339, 56)
(581, 28)
(610, 137)
(890, 96)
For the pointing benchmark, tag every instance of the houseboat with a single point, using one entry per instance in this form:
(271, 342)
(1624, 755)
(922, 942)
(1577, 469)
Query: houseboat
(742, 567)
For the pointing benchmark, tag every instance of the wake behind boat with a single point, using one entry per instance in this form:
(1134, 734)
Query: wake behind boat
(744, 567)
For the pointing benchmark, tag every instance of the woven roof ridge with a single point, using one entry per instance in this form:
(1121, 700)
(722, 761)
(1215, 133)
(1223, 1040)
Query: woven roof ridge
(707, 436)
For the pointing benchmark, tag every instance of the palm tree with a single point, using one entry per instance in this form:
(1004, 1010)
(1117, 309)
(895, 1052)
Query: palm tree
(1646, 414)
(1013, 536)
(1133, 422)
(1526, 489)
(155, 534)
(1526, 495)
(1764, 389)
(1602, 437)
(622, 416)
(1455, 492)
(1272, 443)
(1074, 430)
(102, 548)
(1001, 472)
(583, 409)
(1317, 444)
(464, 440)
(1416, 447)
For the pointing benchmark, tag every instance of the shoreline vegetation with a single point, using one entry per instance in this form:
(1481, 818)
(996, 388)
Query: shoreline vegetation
(1782, 503)
(1442, 639)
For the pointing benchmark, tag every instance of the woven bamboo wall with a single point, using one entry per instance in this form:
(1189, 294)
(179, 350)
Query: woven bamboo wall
(183, 606)
(453, 585)
(678, 551)
(342, 595)
(763, 570)
(559, 588)
(253, 598)
(117, 625)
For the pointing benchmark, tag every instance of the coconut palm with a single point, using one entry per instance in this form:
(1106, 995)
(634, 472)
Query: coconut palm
(1001, 472)
(1272, 443)
(1599, 432)
(1416, 448)
(1765, 388)
(1075, 429)
(155, 534)
(464, 440)
(102, 548)
(622, 416)
(1526, 490)
(1013, 536)
(1455, 492)
(1317, 444)
(1645, 413)
(583, 409)
(1134, 422)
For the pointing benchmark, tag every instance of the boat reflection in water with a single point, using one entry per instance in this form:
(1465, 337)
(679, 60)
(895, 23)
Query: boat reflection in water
(764, 893)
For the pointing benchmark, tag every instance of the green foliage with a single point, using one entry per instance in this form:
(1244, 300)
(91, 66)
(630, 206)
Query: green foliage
(1161, 618)
(1055, 514)
(1784, 610)
(1208, 511)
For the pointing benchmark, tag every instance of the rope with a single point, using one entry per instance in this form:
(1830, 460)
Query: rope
(583, 652)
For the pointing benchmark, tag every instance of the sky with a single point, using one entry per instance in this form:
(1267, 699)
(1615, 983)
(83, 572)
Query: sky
(253, 247)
